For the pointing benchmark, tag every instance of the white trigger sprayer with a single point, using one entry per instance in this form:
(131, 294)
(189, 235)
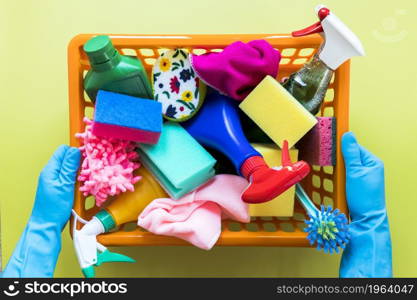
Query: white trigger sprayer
(310, 83)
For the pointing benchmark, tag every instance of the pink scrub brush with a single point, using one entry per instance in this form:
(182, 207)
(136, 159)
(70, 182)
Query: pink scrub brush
(108, 165)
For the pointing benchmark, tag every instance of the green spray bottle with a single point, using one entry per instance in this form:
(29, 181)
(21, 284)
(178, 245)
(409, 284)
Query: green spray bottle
(114, 72)
(310, 83)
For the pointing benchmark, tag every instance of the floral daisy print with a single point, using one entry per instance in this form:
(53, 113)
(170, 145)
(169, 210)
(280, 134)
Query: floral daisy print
(165, 64)
(176, 86)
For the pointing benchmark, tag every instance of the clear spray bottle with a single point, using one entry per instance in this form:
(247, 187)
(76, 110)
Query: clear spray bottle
(310, 83)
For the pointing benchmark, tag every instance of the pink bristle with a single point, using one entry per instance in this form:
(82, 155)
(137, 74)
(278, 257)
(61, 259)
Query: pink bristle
(107, 168)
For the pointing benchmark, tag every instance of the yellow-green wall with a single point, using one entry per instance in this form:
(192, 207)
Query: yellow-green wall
(34, 113)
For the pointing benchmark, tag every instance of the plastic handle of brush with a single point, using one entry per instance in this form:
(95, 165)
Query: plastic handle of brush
(305, 200)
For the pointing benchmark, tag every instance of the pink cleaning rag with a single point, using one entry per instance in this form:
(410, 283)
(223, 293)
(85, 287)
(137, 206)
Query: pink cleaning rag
(238, 69)
(196, 217)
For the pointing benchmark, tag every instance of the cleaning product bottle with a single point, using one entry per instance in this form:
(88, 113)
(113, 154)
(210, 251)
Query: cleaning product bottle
(310, 83)
(126, 207)
(114, 72)
(217, 125)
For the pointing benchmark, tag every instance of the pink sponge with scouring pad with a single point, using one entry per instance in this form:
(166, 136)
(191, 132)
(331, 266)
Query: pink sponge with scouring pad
(318, 146)
(127, 118)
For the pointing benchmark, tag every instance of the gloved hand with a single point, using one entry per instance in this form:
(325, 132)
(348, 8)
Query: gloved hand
(37, 251)
(368, 253)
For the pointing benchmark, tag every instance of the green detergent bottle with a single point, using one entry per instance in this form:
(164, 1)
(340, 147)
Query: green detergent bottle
(114, 72)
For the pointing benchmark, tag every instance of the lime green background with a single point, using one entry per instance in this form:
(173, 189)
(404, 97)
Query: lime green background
(34, 114)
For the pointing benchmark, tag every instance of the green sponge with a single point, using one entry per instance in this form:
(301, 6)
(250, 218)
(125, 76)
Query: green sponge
(178, 161)
(277, 112)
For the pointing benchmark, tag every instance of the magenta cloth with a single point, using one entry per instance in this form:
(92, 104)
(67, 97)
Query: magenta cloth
(238, 69)
(196, 217)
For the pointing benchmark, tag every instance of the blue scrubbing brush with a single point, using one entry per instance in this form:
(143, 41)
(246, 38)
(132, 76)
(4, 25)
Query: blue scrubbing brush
(326, 228)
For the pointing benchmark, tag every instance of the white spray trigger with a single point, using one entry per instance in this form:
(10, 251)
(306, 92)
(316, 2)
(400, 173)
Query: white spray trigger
(340, 43)
(85, 245)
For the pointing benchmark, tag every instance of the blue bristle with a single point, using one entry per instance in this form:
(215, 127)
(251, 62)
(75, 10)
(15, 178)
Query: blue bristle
(328, 229)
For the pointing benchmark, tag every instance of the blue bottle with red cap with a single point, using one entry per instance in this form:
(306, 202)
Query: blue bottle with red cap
(217, 125)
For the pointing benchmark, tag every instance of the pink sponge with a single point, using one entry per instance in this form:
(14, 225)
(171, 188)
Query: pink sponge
(318, 146)
(108, 165)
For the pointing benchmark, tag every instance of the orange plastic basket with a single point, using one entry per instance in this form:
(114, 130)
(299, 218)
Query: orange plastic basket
(324, 185)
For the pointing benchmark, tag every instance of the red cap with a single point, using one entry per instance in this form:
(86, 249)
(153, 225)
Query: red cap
(251, 165)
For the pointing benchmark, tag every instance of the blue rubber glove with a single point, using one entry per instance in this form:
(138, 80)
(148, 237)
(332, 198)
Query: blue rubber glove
(37, 251)
(368, 253)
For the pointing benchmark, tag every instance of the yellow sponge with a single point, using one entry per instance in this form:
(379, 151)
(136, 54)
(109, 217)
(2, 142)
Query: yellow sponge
(283, 205)
(277, 112)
